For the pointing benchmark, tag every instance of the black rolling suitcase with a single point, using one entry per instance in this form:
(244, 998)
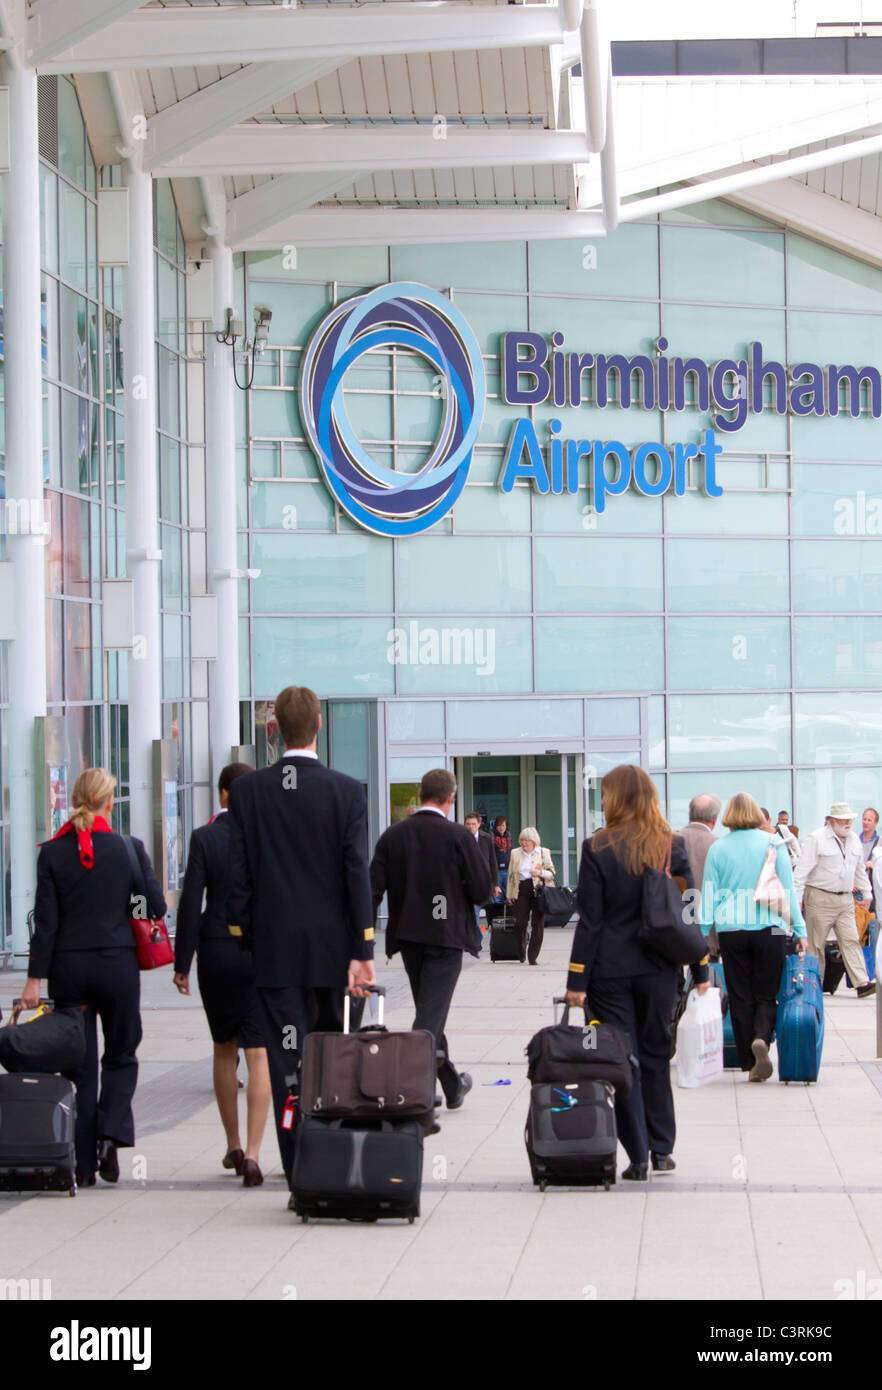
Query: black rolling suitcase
(504, 943)
(834, 967)
(37, 1119)
(571, 1134)
(358, 1170)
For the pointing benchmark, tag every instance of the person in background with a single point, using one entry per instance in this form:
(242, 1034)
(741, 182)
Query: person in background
(529, 866)
(485, 844)
(299, 892)
(869, 836)
(624, 984)
(753, 940)
(783, 832)
(502, 846)
(83, 945)
(698, 836)
(784, 820)
(226, 984)
(829, 871)
(434, 875)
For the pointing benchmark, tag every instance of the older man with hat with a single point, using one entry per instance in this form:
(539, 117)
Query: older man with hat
(828, 872)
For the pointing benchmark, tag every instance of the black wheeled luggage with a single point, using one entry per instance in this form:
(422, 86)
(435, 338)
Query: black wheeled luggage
(347, 1169)
(37, 1120)
(571, 1134)
(504, 944)
(834, 967)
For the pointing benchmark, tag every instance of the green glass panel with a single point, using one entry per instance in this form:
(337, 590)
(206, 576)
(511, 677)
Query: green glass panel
(713, 731)
(625, 264)
(459, 574)
(711, 574)
(322, 574)
(841, 501)
(485, 266)
(738, 267)
(819, 276)
(838, 727)
(596, 573)
(728, 653)
(336, 656)
(446, 657)
(599, 654)
(838, 652)
(837, 576)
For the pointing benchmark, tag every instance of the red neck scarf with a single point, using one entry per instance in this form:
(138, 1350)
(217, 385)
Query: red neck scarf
(84, 839)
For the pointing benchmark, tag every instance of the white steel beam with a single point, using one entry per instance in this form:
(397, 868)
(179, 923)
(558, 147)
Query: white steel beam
(54, 25)
(186, 124)
(817, 215)
(193, 37)
(24, 484)
(278, 149)
(414, 226)
(12, 30)
(751, 177)
(265, 207)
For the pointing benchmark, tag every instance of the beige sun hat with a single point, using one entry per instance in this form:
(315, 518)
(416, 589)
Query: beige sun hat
(840, 810)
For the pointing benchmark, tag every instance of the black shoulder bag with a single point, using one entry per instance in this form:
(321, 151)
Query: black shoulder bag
(664, 927)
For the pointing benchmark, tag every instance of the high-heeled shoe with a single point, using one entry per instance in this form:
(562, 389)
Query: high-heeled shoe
(108, 1160)
(251, 1174)
(234, 1159)
(636, 1172)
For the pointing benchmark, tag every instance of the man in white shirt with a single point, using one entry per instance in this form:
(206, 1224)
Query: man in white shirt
(829, 870)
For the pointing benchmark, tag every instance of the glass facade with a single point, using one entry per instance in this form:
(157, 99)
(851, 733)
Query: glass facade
(744, 628)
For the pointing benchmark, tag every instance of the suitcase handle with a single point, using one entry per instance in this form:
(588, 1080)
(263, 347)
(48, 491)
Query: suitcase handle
(379, 991)
(565, 1013)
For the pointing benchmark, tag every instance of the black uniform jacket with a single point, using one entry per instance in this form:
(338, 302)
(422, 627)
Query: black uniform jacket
(434, 874)
(605, 943)
(208, 872)
(299, 886)
(80, 909)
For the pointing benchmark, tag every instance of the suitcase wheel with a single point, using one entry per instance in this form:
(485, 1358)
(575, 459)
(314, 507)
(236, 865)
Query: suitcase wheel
(606, 1184)
(411, 1219)
(72, 1191)
(543, 1183)
(304, 1218)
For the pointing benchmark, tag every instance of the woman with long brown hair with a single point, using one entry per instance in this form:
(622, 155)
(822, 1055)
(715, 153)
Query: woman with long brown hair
(625, 984)
(83, 945)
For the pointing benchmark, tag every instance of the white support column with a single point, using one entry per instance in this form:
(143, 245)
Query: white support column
(220, 518)
(24, 482)
(142, 503)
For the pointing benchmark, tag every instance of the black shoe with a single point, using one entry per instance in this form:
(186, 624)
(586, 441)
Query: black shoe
(439, 1101)
(465, 1085)
(86, 1179)
(108, 1160)
(636, 1172)
(662, 1163)
(534, 962)
(863, 990)
(292, 1204)
(436, 1128)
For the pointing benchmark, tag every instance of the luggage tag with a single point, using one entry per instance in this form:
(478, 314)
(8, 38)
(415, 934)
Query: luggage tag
(289, 1112)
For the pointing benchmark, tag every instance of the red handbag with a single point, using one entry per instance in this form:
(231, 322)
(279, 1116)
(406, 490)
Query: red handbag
(152, 944)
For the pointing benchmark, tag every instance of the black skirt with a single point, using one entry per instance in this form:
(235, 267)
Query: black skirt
(229, 995)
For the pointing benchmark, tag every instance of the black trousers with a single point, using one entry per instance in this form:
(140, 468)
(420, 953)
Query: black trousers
(109, 983)
(642, 1006)
(433, 972)
(753, 961)
(288, 1014)
(525, 909)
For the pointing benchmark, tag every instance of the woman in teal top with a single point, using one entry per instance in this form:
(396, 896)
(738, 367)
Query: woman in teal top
(753, 939)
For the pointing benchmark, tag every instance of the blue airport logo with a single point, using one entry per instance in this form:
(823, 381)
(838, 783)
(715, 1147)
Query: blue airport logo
(413, 316)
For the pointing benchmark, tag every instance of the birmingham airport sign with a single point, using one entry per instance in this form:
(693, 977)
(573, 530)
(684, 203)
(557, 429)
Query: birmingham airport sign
(535, 370)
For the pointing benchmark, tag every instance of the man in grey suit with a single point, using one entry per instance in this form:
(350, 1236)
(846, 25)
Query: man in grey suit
(699, 836)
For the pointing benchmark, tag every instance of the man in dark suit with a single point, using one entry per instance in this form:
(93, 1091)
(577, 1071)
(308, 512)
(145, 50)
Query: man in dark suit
(434, 875)
(226, 983)
(300, 893)
(487, 848)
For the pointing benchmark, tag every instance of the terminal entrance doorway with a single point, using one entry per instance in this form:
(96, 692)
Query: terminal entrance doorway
(541, 790)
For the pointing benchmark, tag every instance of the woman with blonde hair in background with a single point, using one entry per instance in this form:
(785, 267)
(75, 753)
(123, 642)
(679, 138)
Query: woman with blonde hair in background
(529, 866)
(753, 938)
(83, 945)
(624, 984)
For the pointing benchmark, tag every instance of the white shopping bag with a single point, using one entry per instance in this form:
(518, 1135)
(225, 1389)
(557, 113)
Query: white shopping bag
(700, 1039)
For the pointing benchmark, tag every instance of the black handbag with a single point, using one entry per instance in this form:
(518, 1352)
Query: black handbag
(593, 1052)
(54, 1041)
(554, 902)
(664, 928)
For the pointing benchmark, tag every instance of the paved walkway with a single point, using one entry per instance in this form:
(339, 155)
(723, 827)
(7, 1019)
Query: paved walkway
(777, 1194)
